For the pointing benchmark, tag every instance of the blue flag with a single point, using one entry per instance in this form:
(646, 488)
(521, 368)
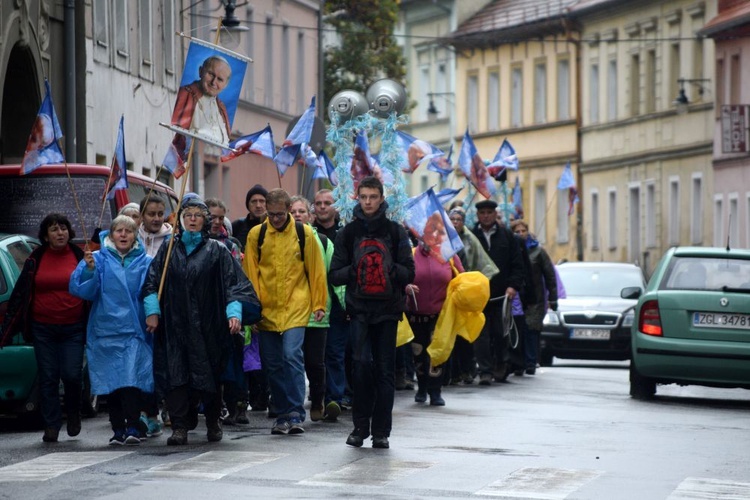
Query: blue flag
(118, 176)
(416, 152)
(446, 195)
(299, 135)
(474, 169)
(260, 143)
(506, 157)
(567, 181)
(518, 199)
(428, 221)
(326, 167)
(442, 165)
(42, 147)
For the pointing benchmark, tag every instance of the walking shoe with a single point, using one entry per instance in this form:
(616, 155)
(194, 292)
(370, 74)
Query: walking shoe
(333, 410)
(531, 370)
(380, 442)
(165, 418)
(118, 439)
(485, 379)
(241, 417)
(436, 399)
(50, 435)
(420, 397)
(346, 403)
(281, 427)
(214, 432)
(154, 427)
(408, 384)
(73, 425)
(295, 426)
(227, 416)
(316, 412)
(179, 437)
(133, 436)
(468, 379)
(357, 438)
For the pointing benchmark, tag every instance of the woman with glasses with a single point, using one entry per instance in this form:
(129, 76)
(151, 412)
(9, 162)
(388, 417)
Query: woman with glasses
(200, 308)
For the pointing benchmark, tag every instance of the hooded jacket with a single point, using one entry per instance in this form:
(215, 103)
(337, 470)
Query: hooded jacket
(153, 241)
(289, 288)
(402, 273)
(118, 349)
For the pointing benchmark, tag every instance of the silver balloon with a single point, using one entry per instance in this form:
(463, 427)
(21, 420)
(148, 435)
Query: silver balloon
(386, 96)
(347, 104)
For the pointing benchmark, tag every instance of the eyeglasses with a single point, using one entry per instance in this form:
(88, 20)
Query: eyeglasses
(276, 215)
(193, 215)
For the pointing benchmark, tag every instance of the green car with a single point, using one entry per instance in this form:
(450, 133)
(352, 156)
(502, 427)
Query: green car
(17, 362)
(693, 321)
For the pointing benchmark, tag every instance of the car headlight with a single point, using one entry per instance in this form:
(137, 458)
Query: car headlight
(551, 318)
(628, 319)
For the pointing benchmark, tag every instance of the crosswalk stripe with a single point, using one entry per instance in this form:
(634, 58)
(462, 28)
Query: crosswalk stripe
(539, 483)
(212, 465)
(367, 472)
(54, 464)
(698, 488)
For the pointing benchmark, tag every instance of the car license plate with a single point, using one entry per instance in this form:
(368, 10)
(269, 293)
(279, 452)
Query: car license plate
(721, 320)
(589, 334)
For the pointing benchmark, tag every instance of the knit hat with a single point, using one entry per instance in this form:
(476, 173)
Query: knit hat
(192, 200)
(257, 189)
(458, 211)
(130, 206)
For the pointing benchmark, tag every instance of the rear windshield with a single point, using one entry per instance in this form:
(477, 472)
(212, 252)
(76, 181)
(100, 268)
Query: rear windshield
(598, 281)
(693, 273)
(28, 199)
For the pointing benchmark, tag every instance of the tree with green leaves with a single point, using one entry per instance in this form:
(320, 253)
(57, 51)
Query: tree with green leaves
(367, 50)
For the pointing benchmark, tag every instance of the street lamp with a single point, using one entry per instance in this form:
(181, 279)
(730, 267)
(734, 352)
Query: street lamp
(432, 111)
(230, 28)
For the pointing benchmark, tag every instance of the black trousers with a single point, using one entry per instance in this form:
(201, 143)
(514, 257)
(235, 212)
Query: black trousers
(429, 378)
(183, 403)
(314, 347)
(124, 408)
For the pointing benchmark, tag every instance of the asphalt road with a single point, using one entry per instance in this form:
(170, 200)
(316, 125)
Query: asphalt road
(571, 431)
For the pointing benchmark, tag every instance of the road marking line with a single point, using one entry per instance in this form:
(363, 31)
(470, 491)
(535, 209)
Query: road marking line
(367, 472)
(212, 465)
(696, 488)
(541, 483)
(55, 464)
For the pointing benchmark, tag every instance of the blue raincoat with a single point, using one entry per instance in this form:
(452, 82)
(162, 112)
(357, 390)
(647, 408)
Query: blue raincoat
(118, 348)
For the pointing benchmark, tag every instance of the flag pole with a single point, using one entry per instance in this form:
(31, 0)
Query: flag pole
(106, 190)
(75, 197)
(188, 165)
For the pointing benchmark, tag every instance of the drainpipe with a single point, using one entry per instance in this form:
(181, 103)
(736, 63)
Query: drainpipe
(69, 62)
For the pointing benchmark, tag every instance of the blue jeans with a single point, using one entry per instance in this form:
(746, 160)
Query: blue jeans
(283, 362)
(59, 356)
(374, 358)
(531, 347)
(338, 336)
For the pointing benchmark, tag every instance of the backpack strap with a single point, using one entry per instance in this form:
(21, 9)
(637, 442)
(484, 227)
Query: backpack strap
(324, 241)
(300, 238)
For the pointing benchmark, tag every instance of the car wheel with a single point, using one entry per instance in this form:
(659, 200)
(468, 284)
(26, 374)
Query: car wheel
(641, 387)
(546, 358)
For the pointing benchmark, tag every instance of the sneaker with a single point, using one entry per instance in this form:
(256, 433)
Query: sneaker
(333, 410)
(295, 426)
(380, 442)
(214, 433)
(165, 418)
(281, 427)
(154, 427)
(179, 437)
(346, 403)
(132, 437)
(436, 400)
(420, 396)
(50, 435)
(73, 425)
(356, 438)
(468, 379)
(531, 370)
(118, 439)
(316, 412)
(241, 417)
(485, 379)
(408, 385)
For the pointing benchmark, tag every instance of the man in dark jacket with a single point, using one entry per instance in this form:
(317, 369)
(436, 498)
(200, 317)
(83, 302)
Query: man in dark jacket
(372, 256)
(255, 202)
(491, 348)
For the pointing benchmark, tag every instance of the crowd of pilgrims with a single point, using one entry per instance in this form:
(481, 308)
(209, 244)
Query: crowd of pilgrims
(248, 314)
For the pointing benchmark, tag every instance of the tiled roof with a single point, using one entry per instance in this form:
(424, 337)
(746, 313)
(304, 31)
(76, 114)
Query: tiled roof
(729, 19)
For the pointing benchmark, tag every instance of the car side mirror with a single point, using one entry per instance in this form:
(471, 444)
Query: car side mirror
(631, 292)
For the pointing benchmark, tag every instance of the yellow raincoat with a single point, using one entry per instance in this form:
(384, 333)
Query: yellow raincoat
(281, 278)
(461, 314)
